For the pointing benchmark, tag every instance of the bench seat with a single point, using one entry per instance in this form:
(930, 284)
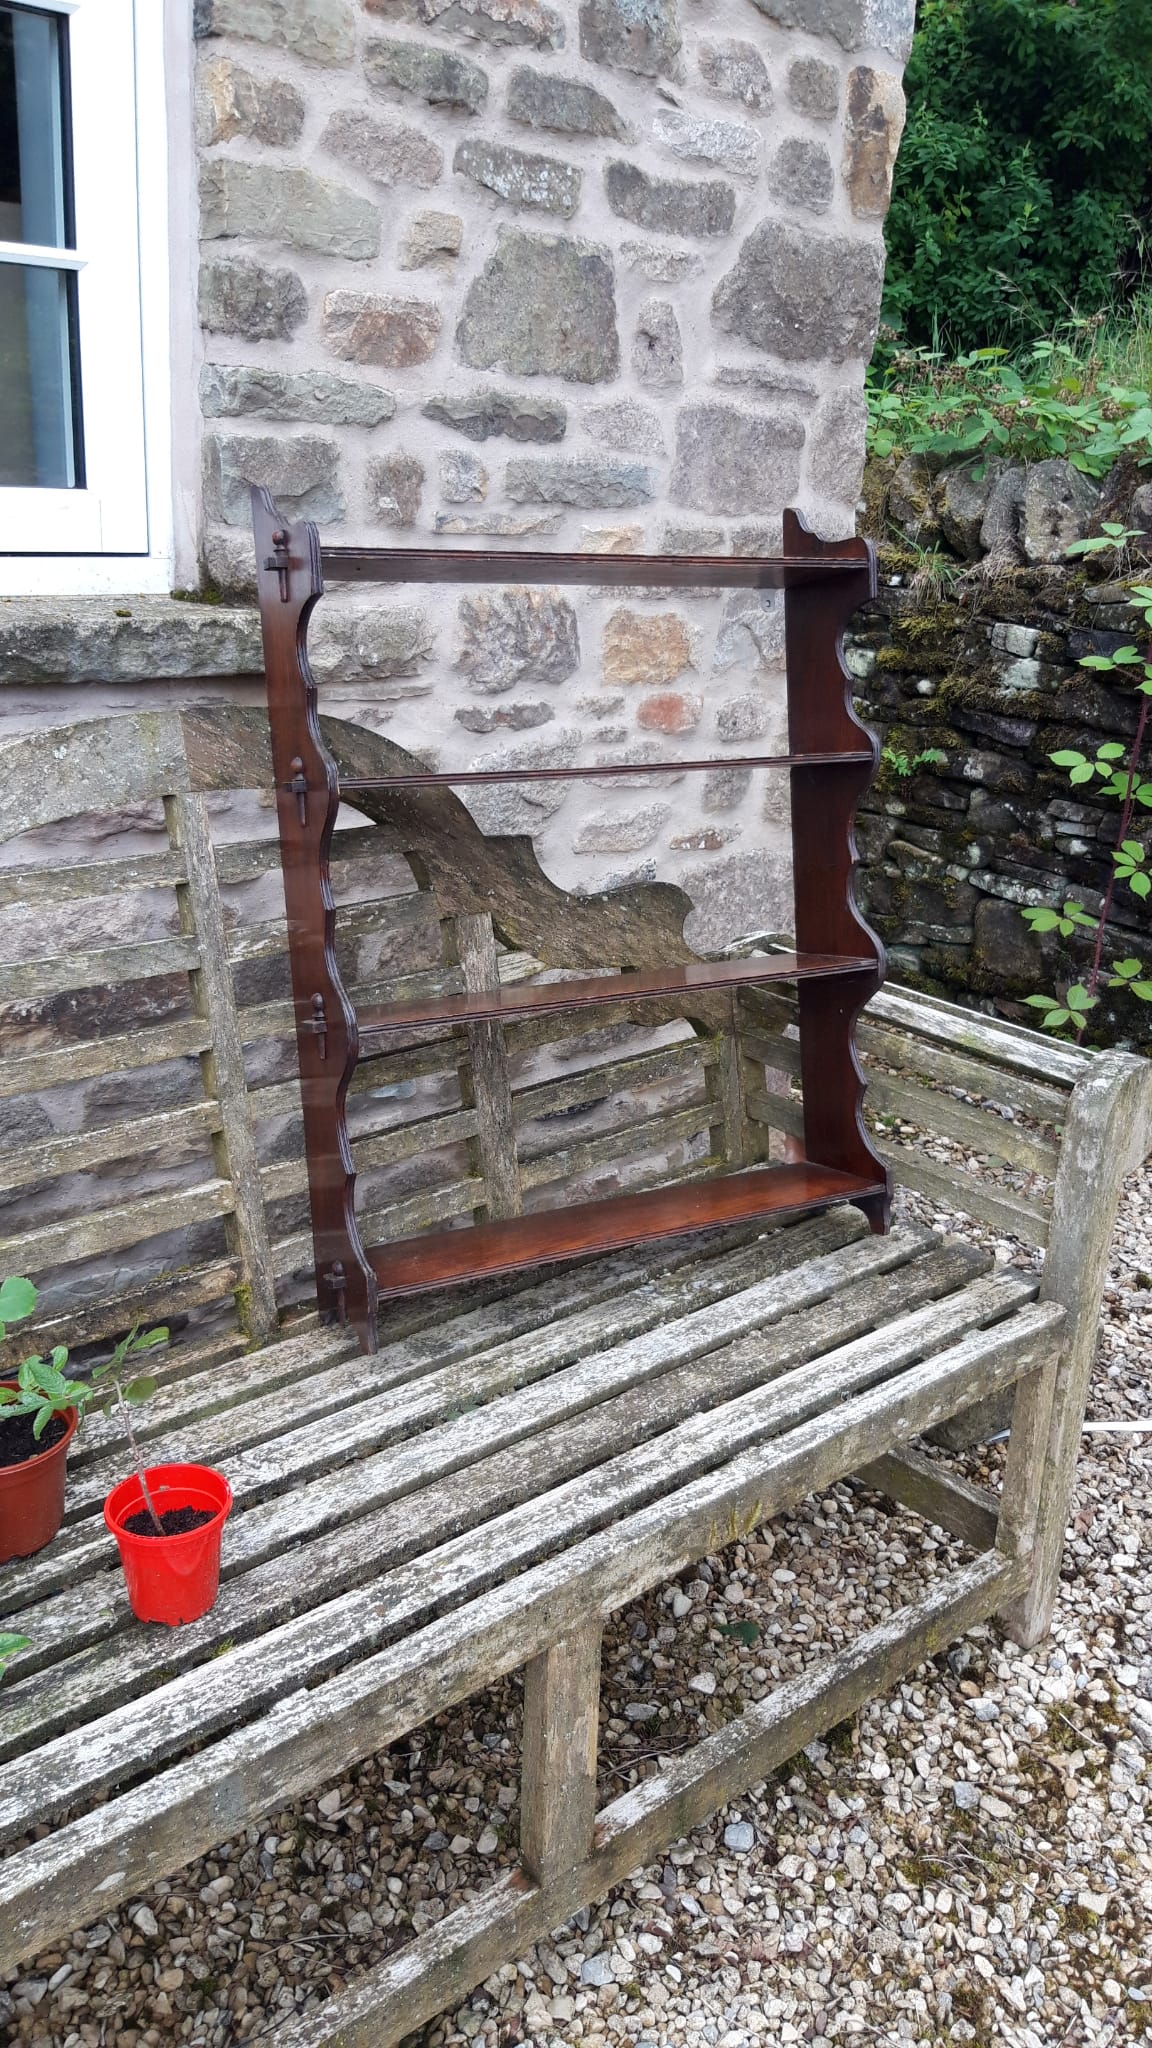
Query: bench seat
(410, 1527)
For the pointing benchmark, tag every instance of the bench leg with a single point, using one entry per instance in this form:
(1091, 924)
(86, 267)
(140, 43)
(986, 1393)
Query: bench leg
(558, 1771)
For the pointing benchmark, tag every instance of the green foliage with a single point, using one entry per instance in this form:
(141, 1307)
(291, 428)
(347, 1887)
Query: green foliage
(903, 764)
(1025, 169)
(1064, 921)
(1053, 400)
(1071, 1008)
(1131, 866)
(11, 1646)
(42, 1389)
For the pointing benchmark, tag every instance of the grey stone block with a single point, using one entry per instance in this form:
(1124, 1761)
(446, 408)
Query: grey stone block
(744, 718)
(836, 445)
(538, 481)
(515, 635)
(519, 176)
(388, 152)
(746, 892)
(524, 807)
(542, 305)
(438, 76)
(730, 461)
(751, 632)
(634, 35)
(463, 477)
(302, 474)
(322, 31)
(669, 205)
(566, 106)
(657, 349)
(634, 429)
(386, 644)
(875, 125)
(481, 414)
(961, 501)
(393, 333)
(488, 718)
(231, 392)
(431, 239)
(102, 640)
(658, 263)
(854, 24)
(526, 22)
(501, 525)
(240, 296)
(1058, 505)
(814, 88)
(802, 295)
(622, 832)
(395, 483)
(231, 101)
(729, 144)
(801, 174)
(285, 203)
(737, 70)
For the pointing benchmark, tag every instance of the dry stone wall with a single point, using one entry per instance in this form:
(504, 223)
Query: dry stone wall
(597, 274)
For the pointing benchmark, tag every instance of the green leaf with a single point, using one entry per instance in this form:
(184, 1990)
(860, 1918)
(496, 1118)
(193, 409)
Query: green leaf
(11, 1646)
(139, 1390)
(1040, 1002)
(1044, 920)
(1143, 989)
(1079, 999)
(1140, 885)
(18, 1298)
(1068, 757)
(1083, 774)
(1056, 1019)
(1111, 751)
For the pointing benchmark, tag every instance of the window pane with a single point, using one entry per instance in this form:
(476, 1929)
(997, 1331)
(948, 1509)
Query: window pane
(37, 413)
(33, 185)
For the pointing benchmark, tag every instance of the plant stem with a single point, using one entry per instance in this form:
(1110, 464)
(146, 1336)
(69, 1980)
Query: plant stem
(137, 1457)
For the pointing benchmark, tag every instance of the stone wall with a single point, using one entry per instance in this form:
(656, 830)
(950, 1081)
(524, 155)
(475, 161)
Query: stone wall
(981, 665)
(595, 276)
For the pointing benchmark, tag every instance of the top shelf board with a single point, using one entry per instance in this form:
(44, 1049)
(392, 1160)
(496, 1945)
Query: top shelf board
(656, 572)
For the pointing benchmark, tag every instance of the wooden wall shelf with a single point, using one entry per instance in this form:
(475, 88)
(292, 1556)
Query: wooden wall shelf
(838, 963)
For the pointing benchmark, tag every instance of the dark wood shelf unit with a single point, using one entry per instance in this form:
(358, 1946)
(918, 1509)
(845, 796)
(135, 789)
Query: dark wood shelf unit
(536, 999)
(411, 1264)
(451, 779)
(837, 965)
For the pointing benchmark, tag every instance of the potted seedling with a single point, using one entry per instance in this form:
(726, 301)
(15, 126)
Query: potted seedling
(39, 1412)
(11, 1646)
(167, 1519)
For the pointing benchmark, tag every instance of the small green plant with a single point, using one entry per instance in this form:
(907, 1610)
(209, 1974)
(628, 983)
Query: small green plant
(42, 1390)
(11, 1646)
(980, 405)
(1117, 769)
(903, 764)
(1112, 536)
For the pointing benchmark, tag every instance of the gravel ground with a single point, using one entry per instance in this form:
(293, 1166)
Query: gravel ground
(970, 1860)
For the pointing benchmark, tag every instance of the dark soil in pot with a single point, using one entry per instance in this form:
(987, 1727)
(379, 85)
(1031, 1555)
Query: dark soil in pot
(17, 1443)
(173, 1521)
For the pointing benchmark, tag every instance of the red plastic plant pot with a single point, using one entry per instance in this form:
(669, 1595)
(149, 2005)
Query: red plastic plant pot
(171, 1578)
(32, 1495)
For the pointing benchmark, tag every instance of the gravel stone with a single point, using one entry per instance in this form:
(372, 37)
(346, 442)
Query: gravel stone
(738, 71)
(441, 77)
(740, 1836)
(520, 177)
(566, 106)
(542, 305)
(669, 205)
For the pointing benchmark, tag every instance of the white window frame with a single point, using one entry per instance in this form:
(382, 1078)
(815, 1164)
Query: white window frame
(114, 534)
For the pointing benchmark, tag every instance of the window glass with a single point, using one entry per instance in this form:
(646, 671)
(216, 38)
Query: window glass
(38, 384)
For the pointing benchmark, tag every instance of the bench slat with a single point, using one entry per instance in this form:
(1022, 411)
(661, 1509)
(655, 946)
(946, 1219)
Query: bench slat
(111, 1230)
(82, 1150)
(109, 967)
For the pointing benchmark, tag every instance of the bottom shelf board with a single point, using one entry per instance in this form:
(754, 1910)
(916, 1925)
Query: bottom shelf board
(443, 1256)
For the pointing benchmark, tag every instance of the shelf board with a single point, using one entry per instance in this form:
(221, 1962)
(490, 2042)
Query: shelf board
(656, 572)
(434, 779)
(443, 1256)
(535, 998)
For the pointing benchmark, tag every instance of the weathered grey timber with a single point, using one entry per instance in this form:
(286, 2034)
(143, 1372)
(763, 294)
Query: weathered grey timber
(514, 1464)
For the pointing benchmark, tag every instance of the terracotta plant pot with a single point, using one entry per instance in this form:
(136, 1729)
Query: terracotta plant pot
(32, 1495)
(171, 1578)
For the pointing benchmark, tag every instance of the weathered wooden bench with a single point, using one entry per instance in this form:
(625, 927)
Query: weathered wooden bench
(512, 1466)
